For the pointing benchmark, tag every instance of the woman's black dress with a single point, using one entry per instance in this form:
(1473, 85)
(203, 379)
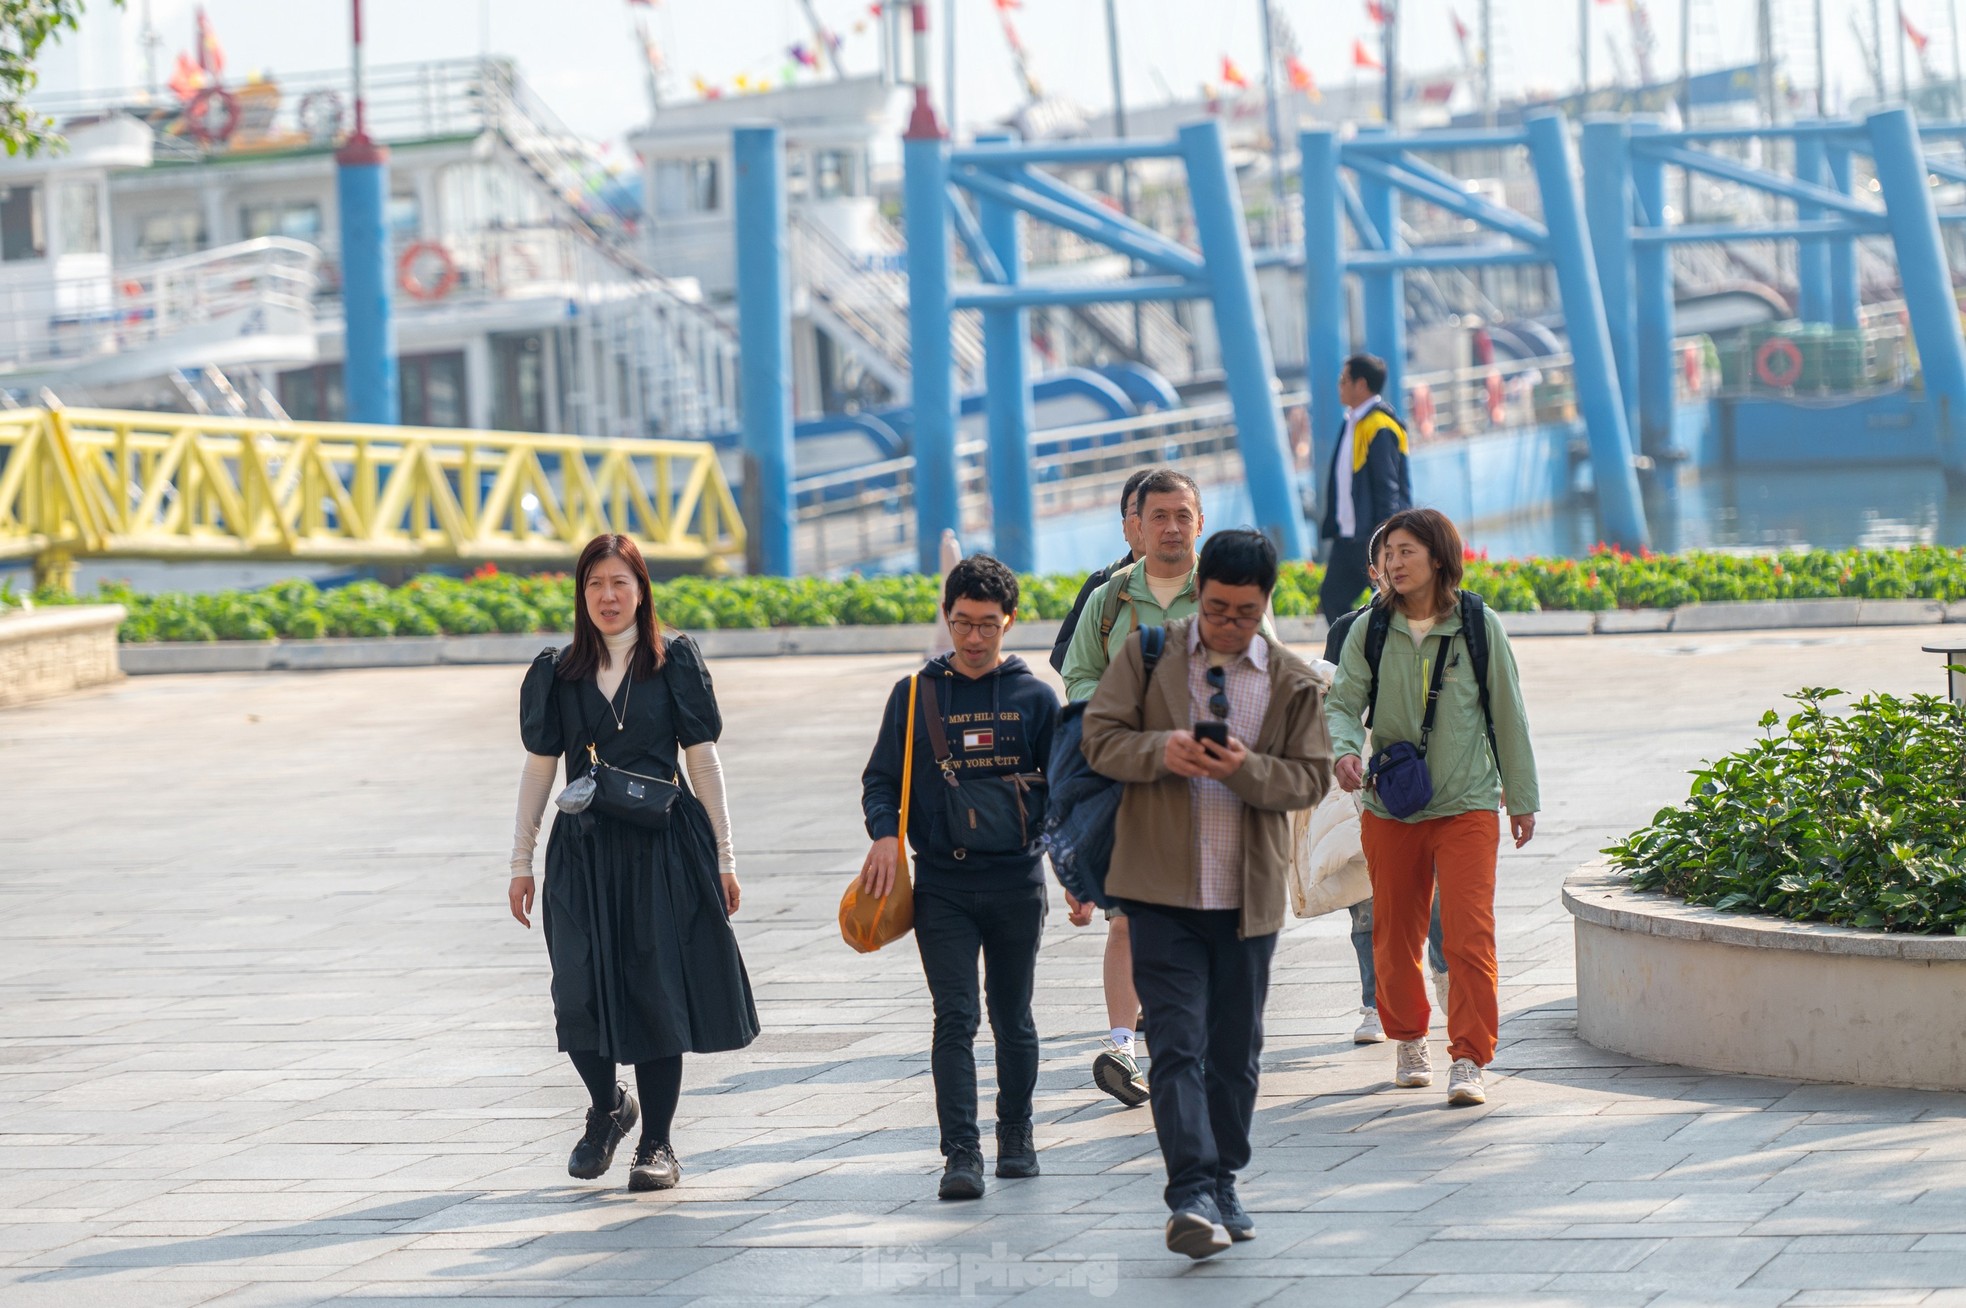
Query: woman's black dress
(644, 961)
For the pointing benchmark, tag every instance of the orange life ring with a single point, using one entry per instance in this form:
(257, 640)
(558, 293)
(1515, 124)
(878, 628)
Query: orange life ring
(1778, 347)
(416, 286)
(199, 114)
(1494, 388)
(1423, 408)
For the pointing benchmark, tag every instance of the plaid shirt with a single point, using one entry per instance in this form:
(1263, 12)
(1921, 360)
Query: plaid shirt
(1217, 810)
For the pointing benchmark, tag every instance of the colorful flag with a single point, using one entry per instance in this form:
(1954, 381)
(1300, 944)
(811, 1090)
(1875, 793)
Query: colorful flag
(1460, 28)
(1919, 40)
(1300, 75)
(1362, 57)
(187, 79)
(1375, 11)
(803, 56)
(1233, 75)
(211, 58)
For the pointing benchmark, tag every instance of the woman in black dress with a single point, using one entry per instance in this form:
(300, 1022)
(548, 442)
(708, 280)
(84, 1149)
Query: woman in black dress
(637, 921)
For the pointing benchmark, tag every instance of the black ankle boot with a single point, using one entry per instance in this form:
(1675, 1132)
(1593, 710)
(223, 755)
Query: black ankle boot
(594, 1153)
(962, 1175)
(1017, 1152)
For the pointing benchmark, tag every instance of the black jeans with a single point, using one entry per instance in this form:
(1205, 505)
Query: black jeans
(951, 926)
(1203, 991)
(1344, 577)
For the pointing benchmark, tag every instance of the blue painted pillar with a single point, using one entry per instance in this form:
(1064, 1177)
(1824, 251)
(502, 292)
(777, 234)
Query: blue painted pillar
(1246, 360)
(764, 328)
(925, 193)
(1929, 303)
(1620, 511)
(1812, 263)
(1658, 371)
(1608, 209)
(369, 331)
(1845, 294)
(1383, 291)
(1324, 291)
(1007, 343)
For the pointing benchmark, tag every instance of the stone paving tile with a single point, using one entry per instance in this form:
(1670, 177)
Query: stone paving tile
(330, 1076)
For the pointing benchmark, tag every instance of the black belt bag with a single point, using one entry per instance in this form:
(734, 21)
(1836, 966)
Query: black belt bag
(630, 796)
(1001, 814)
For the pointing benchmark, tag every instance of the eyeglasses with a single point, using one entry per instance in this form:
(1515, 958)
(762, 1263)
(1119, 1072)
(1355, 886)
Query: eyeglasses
(1218, 698)
(1215, 618)
(964, 627)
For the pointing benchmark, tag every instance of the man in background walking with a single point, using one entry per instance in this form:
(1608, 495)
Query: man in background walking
(1368, 482)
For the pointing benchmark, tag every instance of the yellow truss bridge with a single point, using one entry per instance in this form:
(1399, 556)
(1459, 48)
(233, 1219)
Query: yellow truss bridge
(93, 483)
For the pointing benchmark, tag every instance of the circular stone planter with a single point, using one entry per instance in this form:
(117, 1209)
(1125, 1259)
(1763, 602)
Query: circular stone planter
(1735, 992)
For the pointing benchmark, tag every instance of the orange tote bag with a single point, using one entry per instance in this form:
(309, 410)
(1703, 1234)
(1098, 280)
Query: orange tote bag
(867, 922)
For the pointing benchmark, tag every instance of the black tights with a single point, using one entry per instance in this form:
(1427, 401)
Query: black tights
(658, 1084)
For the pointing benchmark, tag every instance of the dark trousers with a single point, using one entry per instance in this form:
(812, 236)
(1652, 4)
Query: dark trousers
(1203, 991)
(1344, 576)
(951, 928)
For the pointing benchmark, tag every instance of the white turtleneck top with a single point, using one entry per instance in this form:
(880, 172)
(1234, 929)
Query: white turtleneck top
(706, 776)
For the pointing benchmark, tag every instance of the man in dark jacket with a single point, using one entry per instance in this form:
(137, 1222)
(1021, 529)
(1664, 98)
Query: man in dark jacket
(1129, 528)
(979, 882)
(1367, 483)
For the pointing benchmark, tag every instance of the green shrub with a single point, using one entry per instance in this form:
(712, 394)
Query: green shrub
(490, 601)
(1857, 819)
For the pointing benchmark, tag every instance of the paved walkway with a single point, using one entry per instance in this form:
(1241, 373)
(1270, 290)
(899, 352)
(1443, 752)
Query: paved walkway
(267, 1037)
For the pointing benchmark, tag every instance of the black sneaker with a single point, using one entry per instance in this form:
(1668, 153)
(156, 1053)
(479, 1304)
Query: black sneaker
(1235, 1218)
(962, 1175)
(1017, 1152)
(594, 1154)
(655, 1168)
(1196, 1229)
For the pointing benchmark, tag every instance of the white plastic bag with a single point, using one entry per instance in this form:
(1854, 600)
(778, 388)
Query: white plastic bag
(1327, 864)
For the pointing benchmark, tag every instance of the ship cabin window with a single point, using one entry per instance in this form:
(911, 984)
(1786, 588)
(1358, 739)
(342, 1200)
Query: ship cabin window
(798, 183)
(298, 219)
(685, 186)
(21, 233)
(433, 389)
(314, 394)
(835, 173)
(80, 206)
(167, 235)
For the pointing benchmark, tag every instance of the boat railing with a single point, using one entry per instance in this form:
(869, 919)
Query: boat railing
(258, 287)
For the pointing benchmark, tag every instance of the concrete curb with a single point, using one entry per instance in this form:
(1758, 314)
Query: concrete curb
(1602, 897)
(1029, 638)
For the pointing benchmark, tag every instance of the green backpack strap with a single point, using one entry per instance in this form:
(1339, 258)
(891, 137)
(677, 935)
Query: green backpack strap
(1116, 598)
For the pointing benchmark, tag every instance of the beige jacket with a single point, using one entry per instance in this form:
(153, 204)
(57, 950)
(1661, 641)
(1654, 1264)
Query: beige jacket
(1288, 768)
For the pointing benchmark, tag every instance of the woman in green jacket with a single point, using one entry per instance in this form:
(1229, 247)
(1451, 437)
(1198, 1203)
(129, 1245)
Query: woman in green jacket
(1455, 837)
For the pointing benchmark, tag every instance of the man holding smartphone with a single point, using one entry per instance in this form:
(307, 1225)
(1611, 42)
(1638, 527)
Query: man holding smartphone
(1227, 741)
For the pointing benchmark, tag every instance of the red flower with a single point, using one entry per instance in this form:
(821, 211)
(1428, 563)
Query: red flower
(485, 570)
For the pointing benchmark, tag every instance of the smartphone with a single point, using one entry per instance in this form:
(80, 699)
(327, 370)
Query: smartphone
(1216, 731)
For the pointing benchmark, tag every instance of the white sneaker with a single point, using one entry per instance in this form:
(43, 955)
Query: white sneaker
(1369, 1031)
(1414, 1065)
(1440, 995)
(1464, 1084)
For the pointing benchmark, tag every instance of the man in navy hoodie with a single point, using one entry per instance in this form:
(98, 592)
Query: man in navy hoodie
(979, 886)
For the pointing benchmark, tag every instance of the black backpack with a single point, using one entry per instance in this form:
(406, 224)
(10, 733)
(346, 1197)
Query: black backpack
(1078, 827)
(1474, 630)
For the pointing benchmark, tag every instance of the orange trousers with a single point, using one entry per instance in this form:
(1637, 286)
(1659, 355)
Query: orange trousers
(1405, 860)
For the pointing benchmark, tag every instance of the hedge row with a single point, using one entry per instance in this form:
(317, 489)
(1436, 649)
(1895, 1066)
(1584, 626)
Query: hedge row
(492, 601)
